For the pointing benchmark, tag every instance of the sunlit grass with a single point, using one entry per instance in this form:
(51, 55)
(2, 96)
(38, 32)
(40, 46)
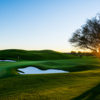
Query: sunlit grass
(50, 86)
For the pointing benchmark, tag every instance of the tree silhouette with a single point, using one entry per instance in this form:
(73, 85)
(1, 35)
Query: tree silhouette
(88, 36)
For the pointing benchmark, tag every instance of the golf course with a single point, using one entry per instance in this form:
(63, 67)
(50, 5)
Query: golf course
(49, 49)
(81, 83)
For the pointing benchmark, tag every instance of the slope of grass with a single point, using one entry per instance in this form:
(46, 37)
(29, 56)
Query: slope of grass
(13, 54)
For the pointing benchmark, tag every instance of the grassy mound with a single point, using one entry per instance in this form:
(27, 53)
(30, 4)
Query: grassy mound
(13, 54)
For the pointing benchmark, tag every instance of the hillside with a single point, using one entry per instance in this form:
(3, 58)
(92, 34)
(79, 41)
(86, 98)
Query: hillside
(14, 54)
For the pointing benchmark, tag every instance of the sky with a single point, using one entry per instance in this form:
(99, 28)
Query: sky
(43, 24)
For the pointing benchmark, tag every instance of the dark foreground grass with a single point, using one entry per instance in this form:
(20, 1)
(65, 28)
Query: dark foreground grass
(82, 83)
(75, 86)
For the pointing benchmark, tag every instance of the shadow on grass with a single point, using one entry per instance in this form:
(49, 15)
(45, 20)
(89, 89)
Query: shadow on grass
(91, 94)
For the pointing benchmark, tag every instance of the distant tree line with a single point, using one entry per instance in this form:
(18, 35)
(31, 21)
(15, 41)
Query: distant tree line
(80, 53)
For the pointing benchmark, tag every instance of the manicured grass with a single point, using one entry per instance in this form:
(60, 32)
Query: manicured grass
(71, 65)
(82, 83)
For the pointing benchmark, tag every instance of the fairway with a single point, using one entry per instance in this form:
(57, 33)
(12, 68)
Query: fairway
(71, 65)
(82, 83)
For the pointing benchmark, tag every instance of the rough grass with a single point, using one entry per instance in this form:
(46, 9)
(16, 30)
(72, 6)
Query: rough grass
(82, 83)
